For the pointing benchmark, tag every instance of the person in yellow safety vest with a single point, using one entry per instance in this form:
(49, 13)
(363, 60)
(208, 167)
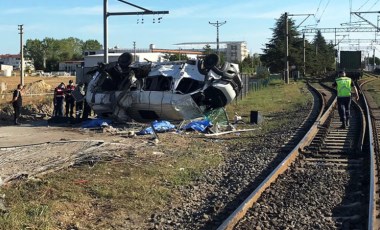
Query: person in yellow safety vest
(343, 86)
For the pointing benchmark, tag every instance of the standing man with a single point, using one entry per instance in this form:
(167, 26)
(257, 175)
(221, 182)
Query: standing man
(17, 103)
(343, 86)
(69, 99)
(59, 95)
(80, 101)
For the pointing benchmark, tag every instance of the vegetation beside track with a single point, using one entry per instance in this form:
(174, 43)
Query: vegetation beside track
(373, 88)
(130, 189)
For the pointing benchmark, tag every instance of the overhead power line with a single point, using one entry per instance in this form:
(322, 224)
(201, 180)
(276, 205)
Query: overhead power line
(374, 5)
(106, 14)
(363, 5)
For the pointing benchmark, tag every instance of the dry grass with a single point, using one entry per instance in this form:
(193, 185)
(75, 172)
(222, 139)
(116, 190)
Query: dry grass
(13, 81)
(373, 88)
(113, 193)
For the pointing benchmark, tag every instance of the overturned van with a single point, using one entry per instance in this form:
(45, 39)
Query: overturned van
(162, 91)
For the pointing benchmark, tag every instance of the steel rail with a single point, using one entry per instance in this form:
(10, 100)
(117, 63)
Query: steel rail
(372, 212)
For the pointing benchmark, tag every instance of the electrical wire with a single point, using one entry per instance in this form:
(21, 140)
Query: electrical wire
(328, 2)
(316, 12)
(363, 5)
(374, 4)
(350, 9)
(320, 1)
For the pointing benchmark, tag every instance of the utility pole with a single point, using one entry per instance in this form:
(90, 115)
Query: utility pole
(20, 28)
(287, 42)
(304, 55)
(217, 24)
(287, 49)
(134, 51)
(106, 14)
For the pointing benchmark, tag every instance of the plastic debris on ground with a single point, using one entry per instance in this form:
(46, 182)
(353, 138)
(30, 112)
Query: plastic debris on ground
(200, 125)
(159, 127)
(96, 123)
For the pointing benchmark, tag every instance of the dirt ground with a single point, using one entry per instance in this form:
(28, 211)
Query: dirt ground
(35, 147)
(46, 85)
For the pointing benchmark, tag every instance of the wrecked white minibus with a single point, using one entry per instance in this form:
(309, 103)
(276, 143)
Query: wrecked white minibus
(173, 91)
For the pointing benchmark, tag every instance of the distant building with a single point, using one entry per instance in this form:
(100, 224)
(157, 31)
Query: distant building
(70, 66)
(93, 60)
(15, 61)
(93, 57)
(6, 70)
(234, 51)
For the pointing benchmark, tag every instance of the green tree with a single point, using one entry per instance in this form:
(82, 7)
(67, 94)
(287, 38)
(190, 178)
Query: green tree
(324, 55)
(275, 49)
(176, 57)
(250, 63)
(47, 53)
(207, 49)
(34, 49)
(369, 60)
(320, 56)
(91, 45)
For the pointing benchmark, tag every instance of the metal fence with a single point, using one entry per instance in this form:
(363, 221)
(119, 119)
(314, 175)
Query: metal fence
(251, 84)
(7, 97)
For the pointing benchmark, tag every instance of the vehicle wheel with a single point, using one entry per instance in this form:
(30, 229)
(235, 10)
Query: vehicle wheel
(211, 60)
(125, 60)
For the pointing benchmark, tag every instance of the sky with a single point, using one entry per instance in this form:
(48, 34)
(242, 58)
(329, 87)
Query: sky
(188, 21)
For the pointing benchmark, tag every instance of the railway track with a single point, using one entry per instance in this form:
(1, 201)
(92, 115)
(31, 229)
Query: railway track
(215, 198)
(325, 184)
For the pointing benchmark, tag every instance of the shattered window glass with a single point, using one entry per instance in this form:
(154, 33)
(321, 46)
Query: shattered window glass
(217, 116)
(187, 108)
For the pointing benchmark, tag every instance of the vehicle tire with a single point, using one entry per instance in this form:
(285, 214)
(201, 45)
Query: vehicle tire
(201, 70)
(125, 60)
(211, 60)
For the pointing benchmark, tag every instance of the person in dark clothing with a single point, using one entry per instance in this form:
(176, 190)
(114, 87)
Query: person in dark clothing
(59, 96)
(69, 99)
(86, 110)
(343, 86)
(17, 103)
(79, 102)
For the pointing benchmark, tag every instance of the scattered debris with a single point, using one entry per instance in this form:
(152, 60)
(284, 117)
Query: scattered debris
(96, 123)
(159, 127)
(238, 119)
(233, 131)
(198, 125)
(158, 153)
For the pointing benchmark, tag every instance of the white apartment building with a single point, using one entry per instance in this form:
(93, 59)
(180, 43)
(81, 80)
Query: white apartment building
(234, 51)
(15, 61)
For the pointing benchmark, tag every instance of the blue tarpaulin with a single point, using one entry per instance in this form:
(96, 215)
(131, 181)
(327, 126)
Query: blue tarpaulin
(159, 127)
(95, 123)
(200, 126)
